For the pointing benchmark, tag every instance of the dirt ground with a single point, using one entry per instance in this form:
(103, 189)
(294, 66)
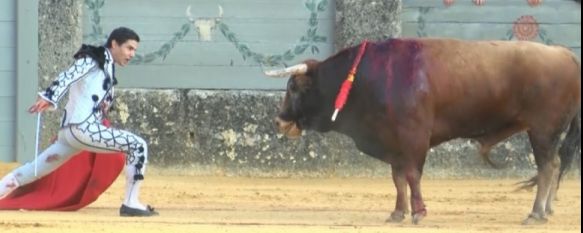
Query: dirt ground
(258, 205)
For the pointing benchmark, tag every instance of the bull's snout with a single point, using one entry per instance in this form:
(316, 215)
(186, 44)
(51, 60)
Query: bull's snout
(278, 122)
(287, 128)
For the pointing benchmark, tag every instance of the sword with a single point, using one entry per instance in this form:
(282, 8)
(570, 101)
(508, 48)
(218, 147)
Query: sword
(37, 139)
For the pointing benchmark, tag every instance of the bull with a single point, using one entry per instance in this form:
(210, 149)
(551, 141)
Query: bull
(409, 95)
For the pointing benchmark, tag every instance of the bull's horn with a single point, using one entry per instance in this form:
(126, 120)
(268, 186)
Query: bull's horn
(220, 12)
(297, 69)
(189, 15)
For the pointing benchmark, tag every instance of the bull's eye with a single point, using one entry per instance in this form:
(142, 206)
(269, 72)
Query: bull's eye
(292, 86)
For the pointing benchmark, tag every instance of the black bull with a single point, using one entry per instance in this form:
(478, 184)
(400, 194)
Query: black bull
(412, 94)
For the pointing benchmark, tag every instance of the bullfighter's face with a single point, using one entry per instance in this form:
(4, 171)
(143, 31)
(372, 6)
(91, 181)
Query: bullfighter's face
(299, 107)
(123, 53)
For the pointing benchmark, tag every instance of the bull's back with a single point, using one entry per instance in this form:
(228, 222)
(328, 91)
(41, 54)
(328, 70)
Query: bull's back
(483, 86)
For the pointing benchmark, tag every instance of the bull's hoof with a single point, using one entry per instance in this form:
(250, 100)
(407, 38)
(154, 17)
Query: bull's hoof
(396, 217)
(417, 217)
(535, 219)
(549, 212)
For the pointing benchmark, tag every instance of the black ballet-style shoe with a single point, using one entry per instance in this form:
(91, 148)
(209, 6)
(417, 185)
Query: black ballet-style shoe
(126, 211)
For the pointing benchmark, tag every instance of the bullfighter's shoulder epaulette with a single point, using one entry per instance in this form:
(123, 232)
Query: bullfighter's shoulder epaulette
(97, 53)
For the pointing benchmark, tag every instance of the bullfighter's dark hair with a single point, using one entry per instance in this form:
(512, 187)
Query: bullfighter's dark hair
(121, 35)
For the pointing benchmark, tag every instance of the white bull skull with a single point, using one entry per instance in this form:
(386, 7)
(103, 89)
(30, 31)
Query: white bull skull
(204, 26)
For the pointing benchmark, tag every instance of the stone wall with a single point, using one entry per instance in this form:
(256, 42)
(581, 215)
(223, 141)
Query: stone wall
(60, 36)
(357, 20)
(227, 132)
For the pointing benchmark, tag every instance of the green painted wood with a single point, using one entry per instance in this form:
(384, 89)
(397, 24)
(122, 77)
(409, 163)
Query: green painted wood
(7, 129)
(559, 21)
(577, 51)
(203, 77)
(222, 54)
(266, 27)
(546, 14)
(7, 32)
(8, 79)
(7, 110)
(7, 9)
(265, 9)
(8, 86)
(469, 3)
(7, 59)
(252, 30)
(27, 77)
(563, 34)
(6, 153)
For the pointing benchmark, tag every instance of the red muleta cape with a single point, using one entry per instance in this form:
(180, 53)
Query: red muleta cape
(74, 185)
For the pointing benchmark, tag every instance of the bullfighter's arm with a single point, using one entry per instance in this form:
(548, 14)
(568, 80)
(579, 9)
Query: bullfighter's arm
(57, 89)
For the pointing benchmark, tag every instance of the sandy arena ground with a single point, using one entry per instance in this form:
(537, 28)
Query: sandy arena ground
(268, 205)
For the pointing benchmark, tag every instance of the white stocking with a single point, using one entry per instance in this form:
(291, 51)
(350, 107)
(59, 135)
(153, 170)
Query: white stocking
(132, 197)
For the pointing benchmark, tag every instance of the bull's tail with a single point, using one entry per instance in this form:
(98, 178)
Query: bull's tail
(570, 147)
(572, 144)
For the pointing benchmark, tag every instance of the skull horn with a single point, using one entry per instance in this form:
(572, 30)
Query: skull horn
(192, 19)
(297, 69)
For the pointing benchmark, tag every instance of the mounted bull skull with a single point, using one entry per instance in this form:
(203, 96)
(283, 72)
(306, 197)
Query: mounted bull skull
(204, 26)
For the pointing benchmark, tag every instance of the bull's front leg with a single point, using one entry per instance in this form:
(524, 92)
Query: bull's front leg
(413, 176)
(401, 206)
(414, 146)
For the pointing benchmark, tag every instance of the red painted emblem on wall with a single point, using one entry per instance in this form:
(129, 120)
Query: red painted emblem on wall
(448, 2)
(525, 28)
(479, 2)
(534, 2)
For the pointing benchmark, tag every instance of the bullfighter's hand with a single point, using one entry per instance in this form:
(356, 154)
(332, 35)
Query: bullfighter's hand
(104, 108)
(53, 139)
(39, 106)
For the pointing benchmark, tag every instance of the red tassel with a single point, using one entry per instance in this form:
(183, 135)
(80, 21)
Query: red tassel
(342, 95)
(347, 84)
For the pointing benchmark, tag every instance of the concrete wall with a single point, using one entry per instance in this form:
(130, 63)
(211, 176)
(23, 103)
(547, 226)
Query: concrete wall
(230, 132)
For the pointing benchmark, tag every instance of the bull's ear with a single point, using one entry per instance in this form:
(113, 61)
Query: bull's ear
(306, 80)
(312, 66)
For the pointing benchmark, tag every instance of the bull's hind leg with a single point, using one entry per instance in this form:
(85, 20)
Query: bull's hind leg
(490, 140)
(544, 146)
(554, 185)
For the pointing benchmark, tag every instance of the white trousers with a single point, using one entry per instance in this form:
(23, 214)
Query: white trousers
(94, 137)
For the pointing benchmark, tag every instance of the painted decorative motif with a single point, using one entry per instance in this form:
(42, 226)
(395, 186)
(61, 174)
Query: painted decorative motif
(308, 40)
(476, 2)
(479, 2)
(204, 28)
(525, 28)
(534, 3)
(448, 2)
(421, 22)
